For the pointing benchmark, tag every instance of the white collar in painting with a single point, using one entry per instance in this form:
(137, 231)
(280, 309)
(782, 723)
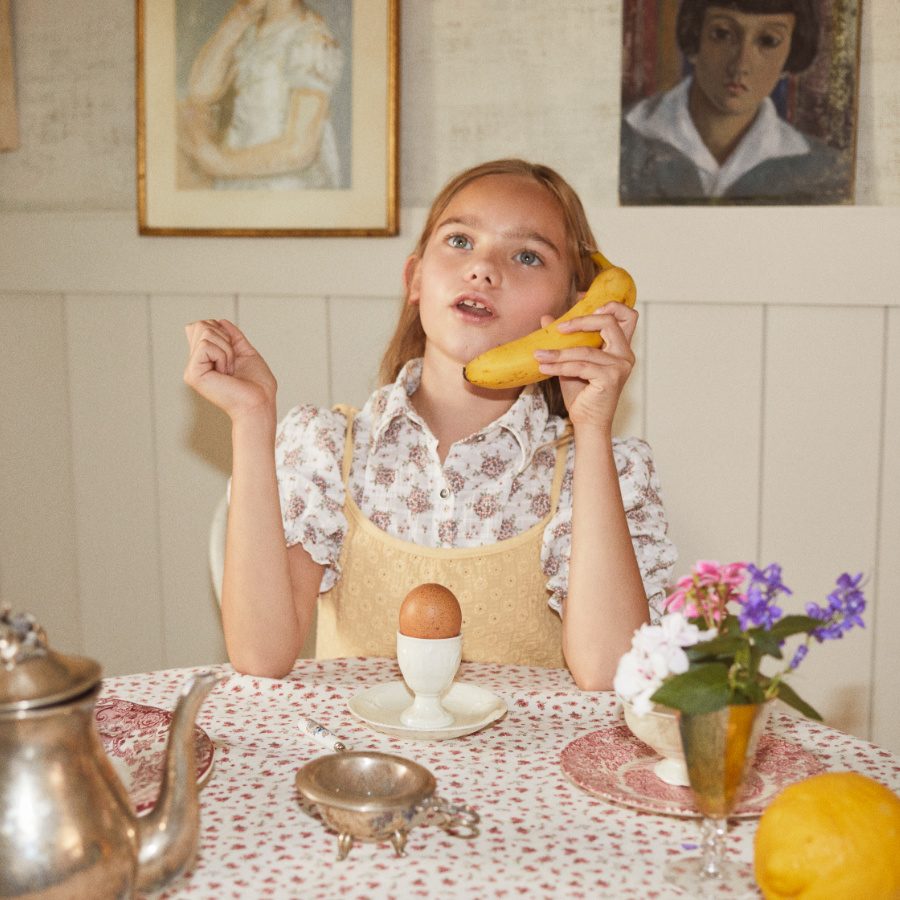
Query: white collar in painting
(666, 118)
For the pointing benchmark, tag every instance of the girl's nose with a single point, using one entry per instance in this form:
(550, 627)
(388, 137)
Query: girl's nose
(483, 269)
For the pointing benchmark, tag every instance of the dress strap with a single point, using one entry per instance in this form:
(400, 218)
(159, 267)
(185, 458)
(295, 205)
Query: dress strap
(562, 455)
(350, 413)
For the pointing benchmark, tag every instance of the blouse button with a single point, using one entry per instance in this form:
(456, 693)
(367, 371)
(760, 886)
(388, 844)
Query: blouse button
(444, 493)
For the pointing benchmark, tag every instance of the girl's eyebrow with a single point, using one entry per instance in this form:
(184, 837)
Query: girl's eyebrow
(472, 222)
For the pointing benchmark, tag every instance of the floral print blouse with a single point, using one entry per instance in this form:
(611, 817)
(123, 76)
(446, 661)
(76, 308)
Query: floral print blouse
(492, 485)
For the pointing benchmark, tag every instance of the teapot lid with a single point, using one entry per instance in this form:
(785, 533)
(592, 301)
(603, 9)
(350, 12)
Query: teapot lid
(31, 674)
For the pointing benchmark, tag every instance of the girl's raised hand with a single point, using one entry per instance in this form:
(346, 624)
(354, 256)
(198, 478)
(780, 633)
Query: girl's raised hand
(592, 378)
(224, 368)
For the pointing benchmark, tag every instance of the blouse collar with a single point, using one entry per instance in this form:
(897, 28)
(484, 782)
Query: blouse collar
(525, 420)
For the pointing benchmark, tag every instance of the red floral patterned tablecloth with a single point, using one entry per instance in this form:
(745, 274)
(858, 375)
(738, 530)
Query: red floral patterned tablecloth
(541, 836)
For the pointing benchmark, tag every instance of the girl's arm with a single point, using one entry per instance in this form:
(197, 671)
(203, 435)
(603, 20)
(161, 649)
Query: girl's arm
(295, 149)
(605, 601)
(268, 592)
(213, 68)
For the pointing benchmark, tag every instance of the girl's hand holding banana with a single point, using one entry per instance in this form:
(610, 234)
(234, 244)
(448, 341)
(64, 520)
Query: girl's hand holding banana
(514, 364)
(224, 368)
(588, 349)
(591, 378)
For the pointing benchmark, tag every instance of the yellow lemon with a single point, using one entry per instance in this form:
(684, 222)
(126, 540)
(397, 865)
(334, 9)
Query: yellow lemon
(835, 835)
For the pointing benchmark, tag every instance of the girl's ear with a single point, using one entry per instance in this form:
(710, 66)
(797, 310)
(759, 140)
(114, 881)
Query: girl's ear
(411, 279)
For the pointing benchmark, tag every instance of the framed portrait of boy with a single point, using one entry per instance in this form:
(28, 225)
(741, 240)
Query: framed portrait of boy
(739, 102)
(267, 117)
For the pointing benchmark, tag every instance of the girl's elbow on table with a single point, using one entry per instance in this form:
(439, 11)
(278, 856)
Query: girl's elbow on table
(260, 668)
(589, 680)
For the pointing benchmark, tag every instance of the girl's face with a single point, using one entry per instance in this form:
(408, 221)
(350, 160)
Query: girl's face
(494, 264)
(741, 57)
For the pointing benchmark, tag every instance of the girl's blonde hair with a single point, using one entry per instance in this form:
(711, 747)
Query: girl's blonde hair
(408, 341)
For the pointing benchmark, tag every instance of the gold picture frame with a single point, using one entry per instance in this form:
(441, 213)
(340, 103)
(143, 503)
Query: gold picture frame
(266, 118)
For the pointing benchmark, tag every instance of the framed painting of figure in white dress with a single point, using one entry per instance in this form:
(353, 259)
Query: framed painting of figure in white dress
(739, 101)
(267, 117)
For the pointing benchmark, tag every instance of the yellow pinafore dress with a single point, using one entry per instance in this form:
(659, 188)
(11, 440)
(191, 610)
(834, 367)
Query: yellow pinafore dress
(500, 587)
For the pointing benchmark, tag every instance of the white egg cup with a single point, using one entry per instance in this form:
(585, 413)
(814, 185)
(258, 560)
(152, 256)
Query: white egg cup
(429, 666)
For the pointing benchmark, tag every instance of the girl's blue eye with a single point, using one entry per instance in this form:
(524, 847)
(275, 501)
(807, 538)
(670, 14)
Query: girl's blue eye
(460, 241)
(529, 258)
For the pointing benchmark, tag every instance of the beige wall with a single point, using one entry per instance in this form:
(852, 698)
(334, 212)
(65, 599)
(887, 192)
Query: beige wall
(767, 379)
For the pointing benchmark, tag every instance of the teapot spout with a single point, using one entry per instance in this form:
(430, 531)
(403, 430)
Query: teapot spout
(168, 834)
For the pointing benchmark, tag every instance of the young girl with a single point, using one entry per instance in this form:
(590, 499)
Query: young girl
(552, 552)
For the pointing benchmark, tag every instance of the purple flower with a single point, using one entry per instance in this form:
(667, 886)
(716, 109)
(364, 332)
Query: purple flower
(770, 577)
(844, 610)
(799, 656)
(759, 608)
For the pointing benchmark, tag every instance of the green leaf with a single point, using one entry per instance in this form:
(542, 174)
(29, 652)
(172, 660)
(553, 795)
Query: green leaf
(792, 698)
(749, 692)
(790, 625)
(703, 688)
(766, 643)
(724, 645)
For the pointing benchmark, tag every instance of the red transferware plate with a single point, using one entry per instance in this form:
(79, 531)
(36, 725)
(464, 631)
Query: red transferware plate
(614, 765)
(135, 739)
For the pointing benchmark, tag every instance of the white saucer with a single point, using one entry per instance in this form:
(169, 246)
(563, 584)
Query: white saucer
(472, 707)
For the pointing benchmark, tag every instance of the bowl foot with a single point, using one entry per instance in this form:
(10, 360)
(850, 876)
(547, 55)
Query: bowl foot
(672, 771)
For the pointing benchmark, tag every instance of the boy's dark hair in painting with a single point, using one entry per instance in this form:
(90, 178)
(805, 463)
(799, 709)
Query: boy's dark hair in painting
(804, 42)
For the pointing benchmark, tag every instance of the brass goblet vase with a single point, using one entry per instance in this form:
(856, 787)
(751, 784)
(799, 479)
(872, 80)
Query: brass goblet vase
(718, 747)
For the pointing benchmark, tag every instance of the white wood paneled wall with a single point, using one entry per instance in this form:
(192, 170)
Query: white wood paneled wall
(767, 384)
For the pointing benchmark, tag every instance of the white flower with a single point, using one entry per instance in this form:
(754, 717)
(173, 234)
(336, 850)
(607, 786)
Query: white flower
(633, 676)
(657, 651)
(641, 703)
(679, 630)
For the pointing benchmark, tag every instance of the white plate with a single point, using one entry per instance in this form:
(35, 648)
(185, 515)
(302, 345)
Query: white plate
(472, 707)
(135, 737)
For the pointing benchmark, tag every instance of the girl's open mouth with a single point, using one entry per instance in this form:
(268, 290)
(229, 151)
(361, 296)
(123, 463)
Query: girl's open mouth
(472, 307)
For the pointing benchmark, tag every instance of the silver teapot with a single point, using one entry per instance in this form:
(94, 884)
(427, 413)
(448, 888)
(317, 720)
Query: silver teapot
(67, 828)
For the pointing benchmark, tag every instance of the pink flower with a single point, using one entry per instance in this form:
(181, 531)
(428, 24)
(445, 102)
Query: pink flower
(708, 590)
(676, 600)
(707, 572)
(733, 573)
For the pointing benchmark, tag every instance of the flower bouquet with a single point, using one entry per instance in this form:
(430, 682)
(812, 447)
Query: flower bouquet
(705, 653)
(703, 660)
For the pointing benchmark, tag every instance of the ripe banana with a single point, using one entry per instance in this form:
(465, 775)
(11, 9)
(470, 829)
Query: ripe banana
(513, 364)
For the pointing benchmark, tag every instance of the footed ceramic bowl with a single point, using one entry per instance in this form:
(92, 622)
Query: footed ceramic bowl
(659, 730)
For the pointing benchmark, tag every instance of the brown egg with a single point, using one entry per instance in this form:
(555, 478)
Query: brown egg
(430, 611)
